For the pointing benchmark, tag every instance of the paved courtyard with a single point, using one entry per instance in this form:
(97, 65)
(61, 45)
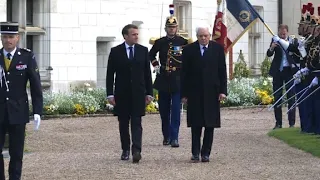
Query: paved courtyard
(89, 149)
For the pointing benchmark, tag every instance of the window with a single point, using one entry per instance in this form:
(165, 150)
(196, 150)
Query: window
(184, 17)
(9, 10)
(29, 12)
(30, 42)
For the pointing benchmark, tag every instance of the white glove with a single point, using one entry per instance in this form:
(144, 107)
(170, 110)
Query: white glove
(276, 38)
(37, 120)
(314, 82)
(302, 49)
(300, 73)
(157, 69)
(297, 80)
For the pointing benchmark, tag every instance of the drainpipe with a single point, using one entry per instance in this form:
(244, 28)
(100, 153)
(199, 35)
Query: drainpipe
(279, 12)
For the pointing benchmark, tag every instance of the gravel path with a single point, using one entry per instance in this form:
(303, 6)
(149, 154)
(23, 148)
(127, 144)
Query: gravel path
(89, 149)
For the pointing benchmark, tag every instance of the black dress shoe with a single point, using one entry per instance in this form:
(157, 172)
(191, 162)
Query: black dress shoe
(205, 158)
(291, 126)
(166, 142)
(136, 157)
(277, 127)
(125, 155)
(174, 143)
(195, 158)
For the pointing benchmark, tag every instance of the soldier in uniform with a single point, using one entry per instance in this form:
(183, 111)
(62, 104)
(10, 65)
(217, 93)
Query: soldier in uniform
(168, 79)
(17, 66)
(312, 123)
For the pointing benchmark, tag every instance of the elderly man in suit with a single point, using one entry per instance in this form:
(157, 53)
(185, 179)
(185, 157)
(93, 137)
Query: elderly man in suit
(132, 91)
(204, 85)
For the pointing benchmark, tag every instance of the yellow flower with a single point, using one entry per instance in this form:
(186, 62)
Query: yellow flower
(79, 109)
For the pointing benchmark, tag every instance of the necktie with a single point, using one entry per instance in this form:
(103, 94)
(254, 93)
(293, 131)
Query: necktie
(204, 50)
(9, 56)
(130, 53)
(7, 61)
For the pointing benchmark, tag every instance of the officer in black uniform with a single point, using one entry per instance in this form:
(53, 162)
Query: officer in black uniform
(168, 79)
(17, 67)
(312, 122)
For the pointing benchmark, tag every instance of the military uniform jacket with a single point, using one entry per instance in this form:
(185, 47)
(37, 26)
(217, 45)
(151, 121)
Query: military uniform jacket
(313, 51)
(170, 55)
(14, 98)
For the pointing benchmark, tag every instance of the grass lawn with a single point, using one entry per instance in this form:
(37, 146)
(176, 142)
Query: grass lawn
(292, 136)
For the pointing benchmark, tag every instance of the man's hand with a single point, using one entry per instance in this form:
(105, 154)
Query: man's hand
(301, 72)
(276, 38)
(184, 100)
(222, 97)
(314, 82)
(297, 80)
(111, 101)
(149, 99)
(37, 121)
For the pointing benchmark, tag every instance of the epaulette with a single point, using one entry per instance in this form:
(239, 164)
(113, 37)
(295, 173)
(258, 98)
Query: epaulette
(292, 36)
(26, 49)
(153, 40)
(188, 39)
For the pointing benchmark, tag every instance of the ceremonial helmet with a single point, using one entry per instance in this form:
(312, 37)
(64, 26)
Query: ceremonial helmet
(9, 28)
(171, 21)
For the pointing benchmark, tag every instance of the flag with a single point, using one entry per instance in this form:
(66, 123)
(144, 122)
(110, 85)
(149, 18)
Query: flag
(233, 19)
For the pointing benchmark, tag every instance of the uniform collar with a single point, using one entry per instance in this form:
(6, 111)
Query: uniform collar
(12, 52)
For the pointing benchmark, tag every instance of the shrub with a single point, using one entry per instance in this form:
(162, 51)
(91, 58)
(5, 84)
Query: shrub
(85, 103)
(265, 67)
(240, 69)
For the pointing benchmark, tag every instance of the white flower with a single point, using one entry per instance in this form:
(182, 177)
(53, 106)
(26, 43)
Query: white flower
(87, 84)
(90, 89)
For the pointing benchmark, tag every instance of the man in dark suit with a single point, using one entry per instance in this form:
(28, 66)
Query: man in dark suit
(282, 70)
(17, 67)
(204, 85)
(133, 89)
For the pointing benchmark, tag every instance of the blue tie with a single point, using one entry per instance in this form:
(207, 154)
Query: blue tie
(130, 53)
(204, 50)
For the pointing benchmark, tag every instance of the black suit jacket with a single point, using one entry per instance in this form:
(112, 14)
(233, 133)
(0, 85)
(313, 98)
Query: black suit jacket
(277, 59)
(23, 68)
(133, 80)
(203, 78)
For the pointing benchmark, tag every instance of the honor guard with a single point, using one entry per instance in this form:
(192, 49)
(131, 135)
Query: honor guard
(167, 80)
(312, 122)
(17, 67)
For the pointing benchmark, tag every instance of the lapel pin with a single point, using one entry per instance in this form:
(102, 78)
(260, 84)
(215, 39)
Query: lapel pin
(19, 53)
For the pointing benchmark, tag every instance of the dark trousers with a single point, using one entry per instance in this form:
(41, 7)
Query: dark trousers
(304, 122)
(136, 133)
(206, 143)
(278, 82)
(313, 113)
(16, 146)
(170, 109)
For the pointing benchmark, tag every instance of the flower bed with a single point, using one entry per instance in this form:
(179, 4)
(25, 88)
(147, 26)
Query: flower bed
(87, 100)
(249, 92)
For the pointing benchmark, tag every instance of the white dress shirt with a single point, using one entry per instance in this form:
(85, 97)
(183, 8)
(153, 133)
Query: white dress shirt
(5, 53)
(128, 49)
(201, 48)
